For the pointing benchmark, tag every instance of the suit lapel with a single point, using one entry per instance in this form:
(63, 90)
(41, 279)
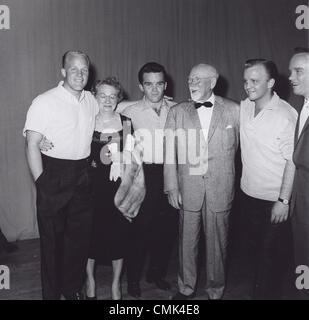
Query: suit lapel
(216, 117)
(296, 132)
(306, 125)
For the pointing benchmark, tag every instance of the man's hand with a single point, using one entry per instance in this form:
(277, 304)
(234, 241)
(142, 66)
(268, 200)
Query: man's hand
(174, 199)
(45, 144)
(279, 212)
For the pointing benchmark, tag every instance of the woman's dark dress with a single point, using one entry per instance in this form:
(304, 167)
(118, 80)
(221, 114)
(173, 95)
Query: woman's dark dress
(110, 229)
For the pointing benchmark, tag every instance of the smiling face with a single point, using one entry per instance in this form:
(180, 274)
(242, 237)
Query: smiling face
(153, 86)
(202, 79)
(257, 83)
(75, 73)
(107, 97)
(299, 77)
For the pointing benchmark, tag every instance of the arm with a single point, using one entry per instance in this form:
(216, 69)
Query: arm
(286, 146)
(33, 153)
(124, 104)
(280, 211)
(174, 198)
(170, 166)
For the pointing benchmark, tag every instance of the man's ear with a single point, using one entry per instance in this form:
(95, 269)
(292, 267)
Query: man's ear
(213, 82)
(63, 72)
(271, 83)
(165, 86)
(141, 88)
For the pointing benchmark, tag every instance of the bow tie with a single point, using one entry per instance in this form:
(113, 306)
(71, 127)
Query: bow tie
(206, 104)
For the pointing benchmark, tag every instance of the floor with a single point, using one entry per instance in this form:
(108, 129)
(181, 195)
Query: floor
(24, 266)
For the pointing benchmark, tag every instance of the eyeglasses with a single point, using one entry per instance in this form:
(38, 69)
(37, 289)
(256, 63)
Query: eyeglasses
(197, 80)
(105, 97)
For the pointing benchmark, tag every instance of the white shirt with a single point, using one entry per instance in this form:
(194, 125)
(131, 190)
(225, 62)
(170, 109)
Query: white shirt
(205, 115)
(149, 128)
(303, 116)
(64, 120)
(267, 142)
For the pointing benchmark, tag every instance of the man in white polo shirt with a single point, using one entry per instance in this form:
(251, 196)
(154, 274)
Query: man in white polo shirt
(267, 125)
(66, 115)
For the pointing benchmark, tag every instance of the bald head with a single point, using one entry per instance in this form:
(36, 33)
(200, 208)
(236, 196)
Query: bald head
(69, 55)
(202, 80)
(206, 70)
(304, 56)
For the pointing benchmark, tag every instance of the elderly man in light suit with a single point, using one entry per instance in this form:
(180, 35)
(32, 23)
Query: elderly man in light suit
(201, 139)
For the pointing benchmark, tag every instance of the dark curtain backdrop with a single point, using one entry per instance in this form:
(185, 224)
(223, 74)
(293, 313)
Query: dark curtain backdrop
(120, 36)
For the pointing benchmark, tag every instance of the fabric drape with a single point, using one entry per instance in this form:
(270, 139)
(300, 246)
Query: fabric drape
(120, 36)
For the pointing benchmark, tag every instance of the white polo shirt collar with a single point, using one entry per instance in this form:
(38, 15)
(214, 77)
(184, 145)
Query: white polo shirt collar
(68, 95)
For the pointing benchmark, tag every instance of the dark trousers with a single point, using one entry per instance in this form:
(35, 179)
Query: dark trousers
(3, 240)
(268, 245)
(64, 210)
(153, 230)
(301, 252)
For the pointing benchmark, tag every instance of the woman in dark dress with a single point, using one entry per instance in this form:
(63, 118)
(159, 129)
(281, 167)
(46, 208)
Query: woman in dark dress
(110, 232)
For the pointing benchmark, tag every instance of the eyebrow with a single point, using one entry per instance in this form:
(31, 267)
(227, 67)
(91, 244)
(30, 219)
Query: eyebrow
(75, 67)
(149, 82)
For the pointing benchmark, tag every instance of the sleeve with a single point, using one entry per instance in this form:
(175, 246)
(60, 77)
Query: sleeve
(286, 138)
(125, 111)
(37, 117)
(92, 153)
(124, 106)
(170, 154)
(96, 106)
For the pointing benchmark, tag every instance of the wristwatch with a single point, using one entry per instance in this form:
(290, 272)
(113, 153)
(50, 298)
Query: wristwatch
(284, 201)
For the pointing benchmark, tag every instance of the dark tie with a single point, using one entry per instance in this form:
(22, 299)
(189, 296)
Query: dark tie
(206, 104)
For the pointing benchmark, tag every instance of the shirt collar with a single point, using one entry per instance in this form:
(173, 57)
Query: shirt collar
(210, 99)
(146, 105)
(69, 95)
(271, 105)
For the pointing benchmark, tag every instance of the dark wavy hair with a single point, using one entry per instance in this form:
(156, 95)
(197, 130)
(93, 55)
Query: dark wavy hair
(111, 81)
(149, 67)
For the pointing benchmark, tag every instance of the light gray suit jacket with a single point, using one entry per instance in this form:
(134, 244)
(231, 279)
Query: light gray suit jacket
(213, 173)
